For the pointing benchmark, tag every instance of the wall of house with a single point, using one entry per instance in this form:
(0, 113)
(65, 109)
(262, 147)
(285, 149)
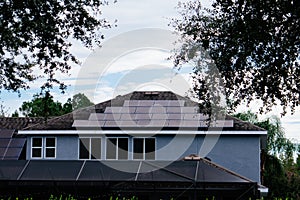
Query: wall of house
(66, 148)
(240, 154)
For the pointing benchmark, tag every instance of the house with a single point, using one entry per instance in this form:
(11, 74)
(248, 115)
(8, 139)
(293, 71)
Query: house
(145, 131)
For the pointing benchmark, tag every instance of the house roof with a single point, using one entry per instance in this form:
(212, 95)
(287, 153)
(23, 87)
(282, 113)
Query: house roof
(11, 145)
(96, 116)
(19, 123)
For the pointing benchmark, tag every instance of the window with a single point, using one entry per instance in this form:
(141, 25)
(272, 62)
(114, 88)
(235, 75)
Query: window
(117, 148)
(90, 148)
(43, 147)
(50, 147)
(36, 147)
(144, 148)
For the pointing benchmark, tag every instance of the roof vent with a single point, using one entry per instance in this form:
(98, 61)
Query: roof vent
(151, 93)
(192, 157)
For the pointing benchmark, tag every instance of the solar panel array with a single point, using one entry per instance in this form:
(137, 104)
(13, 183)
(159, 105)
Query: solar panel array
(150, 113)
(10, 148)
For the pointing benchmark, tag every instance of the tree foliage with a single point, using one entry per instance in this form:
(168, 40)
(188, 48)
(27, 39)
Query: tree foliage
(255, 46)
(43, 105)
(80, 101)
(279, 171)
(277, 144)
(37, 34)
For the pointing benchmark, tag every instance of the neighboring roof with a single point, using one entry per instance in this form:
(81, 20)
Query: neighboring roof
(181, 176)
(90, 115)
(19, 123)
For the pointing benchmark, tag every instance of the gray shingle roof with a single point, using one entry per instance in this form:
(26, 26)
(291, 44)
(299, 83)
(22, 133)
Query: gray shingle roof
(66, 121)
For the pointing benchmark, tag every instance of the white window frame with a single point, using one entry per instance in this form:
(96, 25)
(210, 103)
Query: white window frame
(43, 148)
(144, 147)
(117, 147)
(32, 147)
(89, 149)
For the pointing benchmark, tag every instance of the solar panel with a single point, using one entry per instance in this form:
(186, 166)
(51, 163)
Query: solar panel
(6, 133)
(146, 103)
(127, 123)
(193, 116)
(179, 103)
(13, 152)
(11, 169)
(17, 142)
(127, 117)
(208, 173)
(155, 173)
(189, 109)
(161, 116)
(143, 122)
(163, 103)
(177, 116)
(2, 152)
(52, 170)
(143, 116)
(174, 110)
(131, 103)
(112, 116)
(173, 123)
(111, 124)
(96, 116)
(158, 109)
(128, 109)
(4, 142)
(190, 123)
(113, 109)
(108, 171)
(143, 109)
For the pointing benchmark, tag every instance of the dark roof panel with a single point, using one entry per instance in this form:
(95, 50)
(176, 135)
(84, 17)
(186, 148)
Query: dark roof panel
(11, 170)
(52, 170)
(96, 170)
(147, 171)
(6, 133)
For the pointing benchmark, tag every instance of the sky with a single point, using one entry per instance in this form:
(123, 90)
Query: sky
(133, 57)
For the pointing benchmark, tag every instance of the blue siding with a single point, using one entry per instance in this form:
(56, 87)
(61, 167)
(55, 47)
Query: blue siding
(66, 147)
(239, 153)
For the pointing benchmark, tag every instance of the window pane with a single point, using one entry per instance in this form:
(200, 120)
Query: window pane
(95, 148)
(84, 148)
(50, 152)
(50, 142)
(37, 142)
(111, 148)
(150, 148)
(37, 152)
(123, 148)
(138, 146)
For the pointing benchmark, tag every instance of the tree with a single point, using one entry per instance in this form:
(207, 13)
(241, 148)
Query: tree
(280, 173)
(43, 105)
(3, 110)
(255, 46)
(80, 101)
(38, 34)
(277, 144)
